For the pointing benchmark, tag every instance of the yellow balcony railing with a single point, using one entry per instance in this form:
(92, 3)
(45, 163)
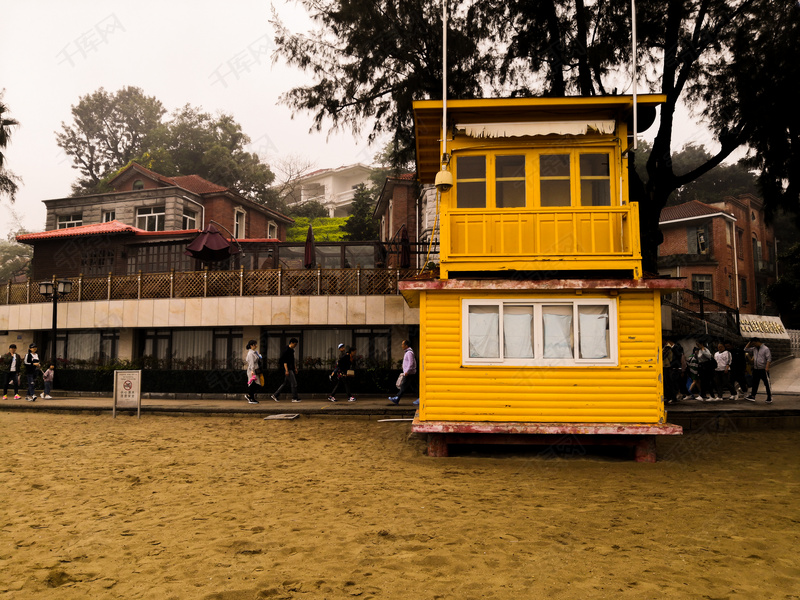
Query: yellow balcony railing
(523, 239)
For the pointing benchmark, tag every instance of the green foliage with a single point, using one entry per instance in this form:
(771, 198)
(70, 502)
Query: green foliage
(325, 229)
(311, 209)
(785, 292)
(360, 226)
(111, 130)
(8, 181)
(15, 259)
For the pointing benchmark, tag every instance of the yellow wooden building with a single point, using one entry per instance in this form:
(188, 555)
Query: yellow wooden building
(540, 321)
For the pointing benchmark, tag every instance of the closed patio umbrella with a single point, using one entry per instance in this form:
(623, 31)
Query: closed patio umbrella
(211, 246)
(310, 256)
(405, 249)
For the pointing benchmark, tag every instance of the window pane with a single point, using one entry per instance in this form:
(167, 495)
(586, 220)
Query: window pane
(471, 167)
(484, 332)
(554, 165)
(593, 331)
(510, 166)
(471, 194)
(510, 194)
(558, 336)
(518, 332)
(595, 192)
(555, 193)
(594, 165)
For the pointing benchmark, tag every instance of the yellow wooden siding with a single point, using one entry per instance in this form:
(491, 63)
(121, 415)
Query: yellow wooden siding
(628, 393)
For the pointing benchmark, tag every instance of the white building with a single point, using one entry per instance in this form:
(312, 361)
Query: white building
(333, 188)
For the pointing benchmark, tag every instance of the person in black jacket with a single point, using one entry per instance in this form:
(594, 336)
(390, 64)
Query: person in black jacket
(346, 363)
(673, 371)
(31, 370)
(12, 366)
(287, 363)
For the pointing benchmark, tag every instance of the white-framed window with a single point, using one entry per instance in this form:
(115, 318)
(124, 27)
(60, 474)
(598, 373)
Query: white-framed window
(109, 215)
(239, 223)
(189, 220)
(151, 218)
(539, 332)
(272, 231)
(66, 221)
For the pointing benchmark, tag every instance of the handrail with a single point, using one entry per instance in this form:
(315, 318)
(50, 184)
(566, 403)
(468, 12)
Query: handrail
(200, 284)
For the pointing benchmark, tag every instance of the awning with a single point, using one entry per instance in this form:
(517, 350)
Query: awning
(529, 128)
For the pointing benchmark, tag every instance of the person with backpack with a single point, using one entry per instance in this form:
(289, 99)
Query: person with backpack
(344, 372)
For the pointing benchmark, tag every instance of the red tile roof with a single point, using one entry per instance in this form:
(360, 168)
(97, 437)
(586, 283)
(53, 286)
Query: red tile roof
(687, 211)
(110, 227)
(195, 184)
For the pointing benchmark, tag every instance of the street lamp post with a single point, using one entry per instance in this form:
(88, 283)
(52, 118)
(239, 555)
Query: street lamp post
(55, 290)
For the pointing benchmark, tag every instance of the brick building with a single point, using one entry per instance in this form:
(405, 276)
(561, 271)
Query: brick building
(724, 250)
(148, 201)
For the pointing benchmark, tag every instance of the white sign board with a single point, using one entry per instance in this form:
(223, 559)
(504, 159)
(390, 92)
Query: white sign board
(760, 326)
(128, 391)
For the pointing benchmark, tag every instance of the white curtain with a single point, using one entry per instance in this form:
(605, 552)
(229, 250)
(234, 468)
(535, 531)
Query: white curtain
(193, 344)
(517, 332)
(593, 331)
(484, 332)
(557, 332)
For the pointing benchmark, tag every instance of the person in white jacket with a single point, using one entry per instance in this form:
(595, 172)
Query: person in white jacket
(722, 375)
(254, 364)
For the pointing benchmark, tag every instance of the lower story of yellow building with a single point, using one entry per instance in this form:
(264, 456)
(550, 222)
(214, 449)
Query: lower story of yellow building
(535, 355)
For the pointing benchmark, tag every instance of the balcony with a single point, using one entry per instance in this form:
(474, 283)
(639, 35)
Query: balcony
(205, 284)
(585, 238)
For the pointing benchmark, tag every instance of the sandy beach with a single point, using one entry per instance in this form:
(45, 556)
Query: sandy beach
(347, 507)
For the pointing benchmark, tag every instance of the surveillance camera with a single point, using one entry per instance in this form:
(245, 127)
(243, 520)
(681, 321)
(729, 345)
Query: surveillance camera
(444, 181)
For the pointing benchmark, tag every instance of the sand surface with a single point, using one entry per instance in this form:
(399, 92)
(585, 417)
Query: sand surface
(327, 507)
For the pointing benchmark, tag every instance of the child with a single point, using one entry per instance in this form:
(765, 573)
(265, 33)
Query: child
(47, 376)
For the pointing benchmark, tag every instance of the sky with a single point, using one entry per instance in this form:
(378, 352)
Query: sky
(208, 54)
(212, 55)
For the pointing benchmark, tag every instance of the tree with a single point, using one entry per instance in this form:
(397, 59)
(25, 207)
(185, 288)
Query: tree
(8, 181)
(785, 292)
(723, 180)
(108, 130)
(310, 210)
(289, 170)
(360, 226)
(111, 130)
(371, 59)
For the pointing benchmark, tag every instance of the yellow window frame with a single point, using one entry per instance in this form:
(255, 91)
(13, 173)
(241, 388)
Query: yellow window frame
(533, 175)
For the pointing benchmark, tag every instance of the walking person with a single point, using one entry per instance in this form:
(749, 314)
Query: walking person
(254, 362)
(762, 359)
(705, 366)
(738, 370)
(409, 382)
(722, 376)
(344, 372)
(48, 377)
(287, 363)
(12, 367)
(673, 370)
(31, 370)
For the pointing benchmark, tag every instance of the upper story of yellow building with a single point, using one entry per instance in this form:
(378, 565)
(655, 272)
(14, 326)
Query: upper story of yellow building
(539, 184)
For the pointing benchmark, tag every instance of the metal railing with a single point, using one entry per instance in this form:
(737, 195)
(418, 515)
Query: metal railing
(205, 284)
(705, 309)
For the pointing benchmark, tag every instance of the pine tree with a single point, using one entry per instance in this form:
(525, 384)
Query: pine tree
(360, 226)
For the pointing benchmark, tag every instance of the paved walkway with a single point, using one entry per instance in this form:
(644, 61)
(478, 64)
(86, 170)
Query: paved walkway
(785, 378)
